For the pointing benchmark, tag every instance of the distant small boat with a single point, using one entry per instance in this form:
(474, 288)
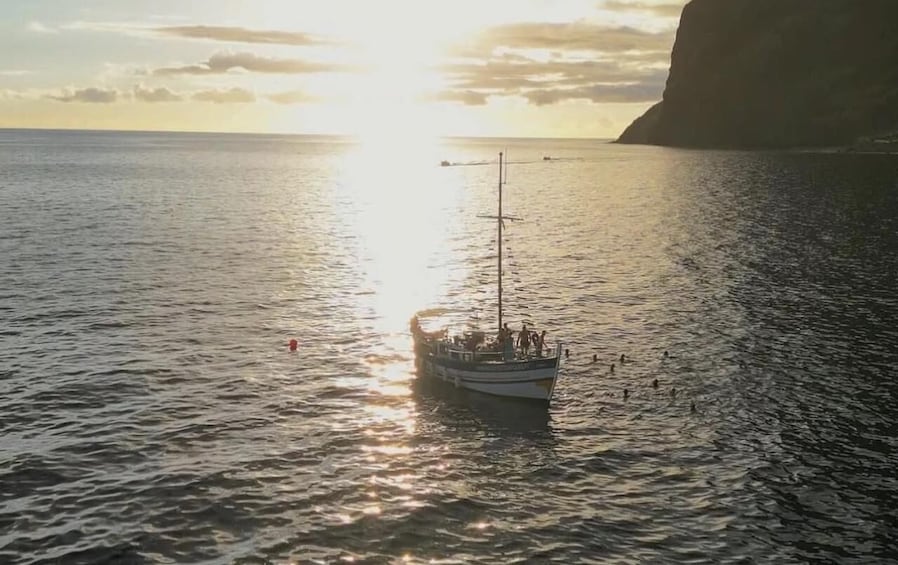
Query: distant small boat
(546, 158)
(445, 163)
(471, 361)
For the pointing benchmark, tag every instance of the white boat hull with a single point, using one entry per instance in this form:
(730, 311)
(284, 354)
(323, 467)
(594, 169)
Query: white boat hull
(538, 384)
(532, 378)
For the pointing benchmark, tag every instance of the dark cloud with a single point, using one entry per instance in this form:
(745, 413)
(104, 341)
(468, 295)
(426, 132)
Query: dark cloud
(90, 95)
(670, 10)
(221, 63)
(292, 97)
(240, 35)
(574, 36)
(227, 96)
(142, 94)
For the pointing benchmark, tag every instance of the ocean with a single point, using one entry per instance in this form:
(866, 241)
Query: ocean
(151, 411)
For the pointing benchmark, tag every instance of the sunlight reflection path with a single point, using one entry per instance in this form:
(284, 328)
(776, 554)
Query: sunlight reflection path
(403, 213)
(401, 210)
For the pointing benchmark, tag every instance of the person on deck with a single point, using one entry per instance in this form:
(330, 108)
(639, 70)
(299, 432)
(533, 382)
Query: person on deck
(539, 341)
(524, 340)
(507, 343)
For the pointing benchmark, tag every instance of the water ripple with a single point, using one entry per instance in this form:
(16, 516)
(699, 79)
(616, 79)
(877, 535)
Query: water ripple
(151, 412)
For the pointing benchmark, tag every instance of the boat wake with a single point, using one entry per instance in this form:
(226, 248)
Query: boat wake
(463, 163)
(521, 162)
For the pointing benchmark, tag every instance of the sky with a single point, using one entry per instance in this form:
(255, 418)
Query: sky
(515, 68)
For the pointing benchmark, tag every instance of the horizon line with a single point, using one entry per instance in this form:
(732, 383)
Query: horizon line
(281, 134)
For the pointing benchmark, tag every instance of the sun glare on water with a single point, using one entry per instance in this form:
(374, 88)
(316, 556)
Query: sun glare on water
(404, 205)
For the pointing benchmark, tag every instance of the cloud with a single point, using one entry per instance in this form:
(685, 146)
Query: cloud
(222, 62)
(547, 82)
(99, 26)
(573, 36)
(585, 61)
(90, 95)
(292, 97)
(227, 96)
(14, 72)
(140, 93)
(7, 94)
(670, 10)
(229, 34)
(38, 27)
(466, 97)
(504, 75)
(240, 35)
(161, 94)
(598, 93)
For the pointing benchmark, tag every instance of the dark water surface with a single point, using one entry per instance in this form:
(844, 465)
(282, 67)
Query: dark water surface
(151, 413)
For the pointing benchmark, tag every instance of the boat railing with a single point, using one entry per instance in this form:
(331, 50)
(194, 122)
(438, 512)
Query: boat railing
(457, 351)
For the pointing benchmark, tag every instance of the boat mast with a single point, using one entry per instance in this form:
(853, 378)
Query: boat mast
(499, 222)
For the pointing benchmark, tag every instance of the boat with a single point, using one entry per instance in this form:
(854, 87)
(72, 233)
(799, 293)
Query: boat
(488, 362)
(445, 163)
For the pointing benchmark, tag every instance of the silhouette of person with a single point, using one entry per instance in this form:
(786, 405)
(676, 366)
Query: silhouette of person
(508, 343)
(539, 341)
(524, 340)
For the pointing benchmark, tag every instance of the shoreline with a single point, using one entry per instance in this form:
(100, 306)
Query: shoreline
(887, 146)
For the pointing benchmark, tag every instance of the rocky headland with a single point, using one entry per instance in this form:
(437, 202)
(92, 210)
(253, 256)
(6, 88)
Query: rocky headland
(779, 74)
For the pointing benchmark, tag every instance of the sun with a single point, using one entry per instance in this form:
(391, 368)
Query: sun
(387, 98)
(394, 50)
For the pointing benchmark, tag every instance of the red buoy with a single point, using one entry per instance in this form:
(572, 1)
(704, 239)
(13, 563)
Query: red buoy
(293, 345)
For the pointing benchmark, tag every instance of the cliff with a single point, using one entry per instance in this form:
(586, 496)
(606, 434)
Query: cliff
(777, 73)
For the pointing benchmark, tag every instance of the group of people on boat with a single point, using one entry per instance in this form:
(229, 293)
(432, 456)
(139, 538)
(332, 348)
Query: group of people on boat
(506, 341)
(525, 339)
